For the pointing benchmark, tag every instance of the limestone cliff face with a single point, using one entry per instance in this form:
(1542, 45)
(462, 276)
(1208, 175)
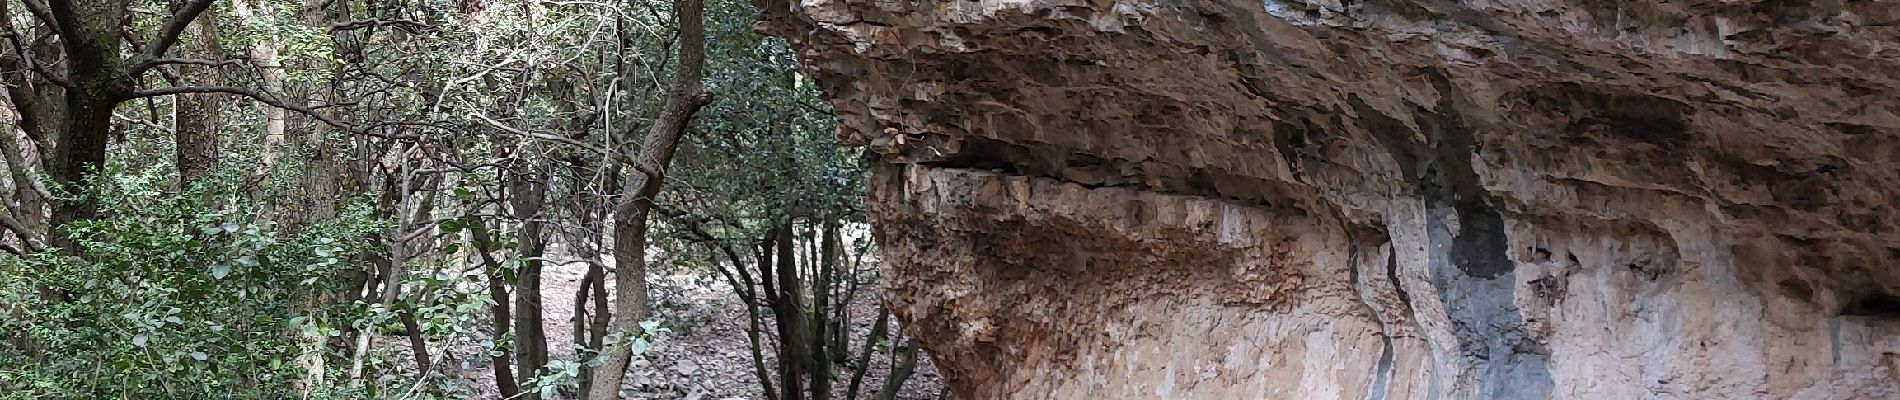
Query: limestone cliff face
(1380, 199)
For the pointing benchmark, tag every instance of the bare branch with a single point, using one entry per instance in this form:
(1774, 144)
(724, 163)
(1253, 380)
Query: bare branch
(261, 97)
(41, 13)
(267, 99)
(194, 61)
(554, 138)
(412, 25)
(168, 35)
(147, 123)
(19, 49)
(28, 237)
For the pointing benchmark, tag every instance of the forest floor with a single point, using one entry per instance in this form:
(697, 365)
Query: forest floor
(706, 355)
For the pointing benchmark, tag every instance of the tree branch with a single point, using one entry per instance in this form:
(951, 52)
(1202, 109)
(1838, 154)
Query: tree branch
(19, 49)
(28, 238)
(376, 23)
(553, 138)
(261, 97)
(41, 13)
(168, 35)
(192, 61)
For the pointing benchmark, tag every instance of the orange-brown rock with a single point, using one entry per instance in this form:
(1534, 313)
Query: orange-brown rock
(1380, 199)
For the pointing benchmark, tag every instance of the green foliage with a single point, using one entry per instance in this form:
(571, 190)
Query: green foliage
(194, 292)
(173, 295)
(767, 148)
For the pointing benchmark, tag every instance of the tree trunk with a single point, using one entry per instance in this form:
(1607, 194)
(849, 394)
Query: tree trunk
(99, 82)
(528, 190)
(901, 369)
(79, 155)
(591, 328)
(878, 330)
(582, 294)
(821, 302)
(97, 79)
(196, 131)
(794, 357)
(34, 100)
(418, 345)
(630, 216)
(501, 361)
(26, 206)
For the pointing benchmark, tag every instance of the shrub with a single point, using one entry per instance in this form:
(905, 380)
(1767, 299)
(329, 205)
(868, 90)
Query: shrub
(189, 294)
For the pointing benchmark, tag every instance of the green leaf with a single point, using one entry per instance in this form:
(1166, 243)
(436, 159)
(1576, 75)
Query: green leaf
(139, 340)
(219, 270)
(199, 355)
(453, 225)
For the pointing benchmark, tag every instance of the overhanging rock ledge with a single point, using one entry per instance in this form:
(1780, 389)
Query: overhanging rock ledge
(1380, 199)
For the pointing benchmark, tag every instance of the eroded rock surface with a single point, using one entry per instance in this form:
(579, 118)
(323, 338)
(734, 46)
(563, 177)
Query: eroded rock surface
(1380, 199)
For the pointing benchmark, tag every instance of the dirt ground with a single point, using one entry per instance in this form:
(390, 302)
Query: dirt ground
(705, 356)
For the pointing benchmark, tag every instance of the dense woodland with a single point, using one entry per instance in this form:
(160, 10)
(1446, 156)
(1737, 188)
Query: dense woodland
(362, 198)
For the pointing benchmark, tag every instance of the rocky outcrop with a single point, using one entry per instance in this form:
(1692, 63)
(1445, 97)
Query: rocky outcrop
(1380, 199)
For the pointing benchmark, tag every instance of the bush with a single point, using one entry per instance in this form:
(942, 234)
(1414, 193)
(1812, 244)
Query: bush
(173, 295)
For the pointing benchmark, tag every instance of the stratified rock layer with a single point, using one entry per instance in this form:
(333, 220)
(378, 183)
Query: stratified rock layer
(1380, 199)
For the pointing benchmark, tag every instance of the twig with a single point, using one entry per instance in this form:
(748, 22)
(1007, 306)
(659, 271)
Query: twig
(261, 97)
(555, 138)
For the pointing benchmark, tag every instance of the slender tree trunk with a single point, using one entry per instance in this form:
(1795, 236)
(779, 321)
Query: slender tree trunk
(602, 317)
(26, 206)
(901, 369)
(398, 200)
(878, 330)
(326, 174)
(501, 361)
(753, 330)
(528, 192)
(581, 296)
(589, 345)
(793, 329)
(196, 131)
(34, 101)
(842, 320)
(821, 302)
(630, 216)
(263, 56)
(418, 345)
